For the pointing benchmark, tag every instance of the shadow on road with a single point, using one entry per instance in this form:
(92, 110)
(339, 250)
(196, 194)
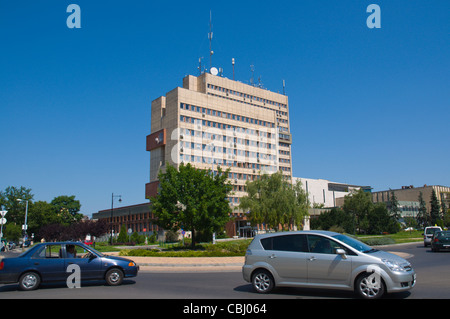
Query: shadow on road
(56, 285)
(316, 293)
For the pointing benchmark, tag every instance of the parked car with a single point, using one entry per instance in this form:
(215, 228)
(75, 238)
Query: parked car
(323, 259)
(441, 240)
(48, 262)
(428, 234)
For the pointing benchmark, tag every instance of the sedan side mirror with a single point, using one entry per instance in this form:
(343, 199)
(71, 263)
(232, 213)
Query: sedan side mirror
(341, 252)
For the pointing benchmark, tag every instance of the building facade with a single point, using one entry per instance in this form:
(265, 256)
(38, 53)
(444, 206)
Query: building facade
(137, 218)
(213, 121)
(326, 194)
(408, 198)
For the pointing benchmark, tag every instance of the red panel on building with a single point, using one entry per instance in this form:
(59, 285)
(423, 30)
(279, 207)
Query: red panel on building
(151, 189)
(156, 140)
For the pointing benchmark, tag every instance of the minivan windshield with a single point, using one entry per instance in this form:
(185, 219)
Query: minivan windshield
(356, 244)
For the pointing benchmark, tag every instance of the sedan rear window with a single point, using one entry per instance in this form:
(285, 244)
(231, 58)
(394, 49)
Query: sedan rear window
(443, 234)
(432, 230)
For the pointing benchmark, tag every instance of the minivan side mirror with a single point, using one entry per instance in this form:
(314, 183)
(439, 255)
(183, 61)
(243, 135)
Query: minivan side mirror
(341, 252)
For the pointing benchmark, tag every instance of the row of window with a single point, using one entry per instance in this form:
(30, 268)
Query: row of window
(199, 149)
(230, 163)
(230, 130)
(232, 149)
(243, 138)
(244, 102)
(225, 115)
(245, 96)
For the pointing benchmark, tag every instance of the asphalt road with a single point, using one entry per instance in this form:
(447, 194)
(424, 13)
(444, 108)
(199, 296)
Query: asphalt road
(433, 282)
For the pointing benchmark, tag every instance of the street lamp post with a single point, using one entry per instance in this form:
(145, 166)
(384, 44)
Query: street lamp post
(25, 225)
(112, 208)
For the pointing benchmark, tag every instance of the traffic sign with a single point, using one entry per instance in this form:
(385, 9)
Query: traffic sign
(2, 221)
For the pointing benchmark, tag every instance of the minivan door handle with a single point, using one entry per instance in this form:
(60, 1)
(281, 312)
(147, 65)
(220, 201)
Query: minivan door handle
(272, 256)
(312, 258)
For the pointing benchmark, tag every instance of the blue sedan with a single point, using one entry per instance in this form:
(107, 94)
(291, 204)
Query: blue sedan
(50, 262)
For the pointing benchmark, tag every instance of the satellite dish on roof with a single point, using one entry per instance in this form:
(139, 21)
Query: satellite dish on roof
(214, 71)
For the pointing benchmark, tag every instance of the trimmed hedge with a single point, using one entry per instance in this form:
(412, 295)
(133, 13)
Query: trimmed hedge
(377, 241)
(220, 249)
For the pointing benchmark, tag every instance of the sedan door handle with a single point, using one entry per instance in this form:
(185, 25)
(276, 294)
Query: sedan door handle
(312, 258)
(272, 256)
(36, 263)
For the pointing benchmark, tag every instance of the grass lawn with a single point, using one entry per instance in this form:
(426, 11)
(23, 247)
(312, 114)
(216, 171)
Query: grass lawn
(398, 238)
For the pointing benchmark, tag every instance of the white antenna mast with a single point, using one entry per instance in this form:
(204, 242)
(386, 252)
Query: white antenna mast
(200, 65)
(232, 62)
(210, 36)
(252, 69)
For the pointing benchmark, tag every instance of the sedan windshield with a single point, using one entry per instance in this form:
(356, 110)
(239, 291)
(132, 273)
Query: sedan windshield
(356, 244)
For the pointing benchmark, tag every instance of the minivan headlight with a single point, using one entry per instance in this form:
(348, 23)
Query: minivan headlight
(393, 266)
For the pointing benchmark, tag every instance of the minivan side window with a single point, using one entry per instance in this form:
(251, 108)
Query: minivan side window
(322, 245)
(294, 243)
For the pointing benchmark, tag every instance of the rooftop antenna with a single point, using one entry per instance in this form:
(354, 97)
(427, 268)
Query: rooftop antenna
(232, 62)
(200, 65)
(210, 36)
(252, 68)
(284, 87)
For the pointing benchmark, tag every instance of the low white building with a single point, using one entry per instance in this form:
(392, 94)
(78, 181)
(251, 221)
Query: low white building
(321, 191)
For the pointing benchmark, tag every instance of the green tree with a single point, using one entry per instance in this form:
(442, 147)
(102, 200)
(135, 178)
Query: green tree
(123, 235)
(67, 208)
(192, 199)
(273, 201)
(336, 217)
(422, 216)
(368, 217)
(16, 210)
(40, 214)
(435, 208)
(381, 220)
(394, 209)
(358, 204)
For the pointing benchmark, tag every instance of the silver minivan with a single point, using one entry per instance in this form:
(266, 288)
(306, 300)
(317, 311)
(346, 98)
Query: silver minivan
(324, 259)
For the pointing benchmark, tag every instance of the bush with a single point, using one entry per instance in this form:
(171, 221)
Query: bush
(337, 229)
(376, 241)
(221, 249)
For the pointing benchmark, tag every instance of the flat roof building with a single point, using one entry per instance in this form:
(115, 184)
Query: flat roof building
(408, 198)
(213, 121)
(325, 193)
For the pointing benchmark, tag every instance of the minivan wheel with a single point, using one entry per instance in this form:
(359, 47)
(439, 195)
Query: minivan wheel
(262, 281)
(370, 286)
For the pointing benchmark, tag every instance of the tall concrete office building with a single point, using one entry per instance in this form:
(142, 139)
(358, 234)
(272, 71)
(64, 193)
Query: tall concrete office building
(213, 121)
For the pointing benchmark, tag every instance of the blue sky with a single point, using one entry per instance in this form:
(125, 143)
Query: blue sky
(367, 106)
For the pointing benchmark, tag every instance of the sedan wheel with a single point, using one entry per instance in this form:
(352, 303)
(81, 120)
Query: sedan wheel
(370, 286)
(29, 281)
(263, 281)
(114, 277)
